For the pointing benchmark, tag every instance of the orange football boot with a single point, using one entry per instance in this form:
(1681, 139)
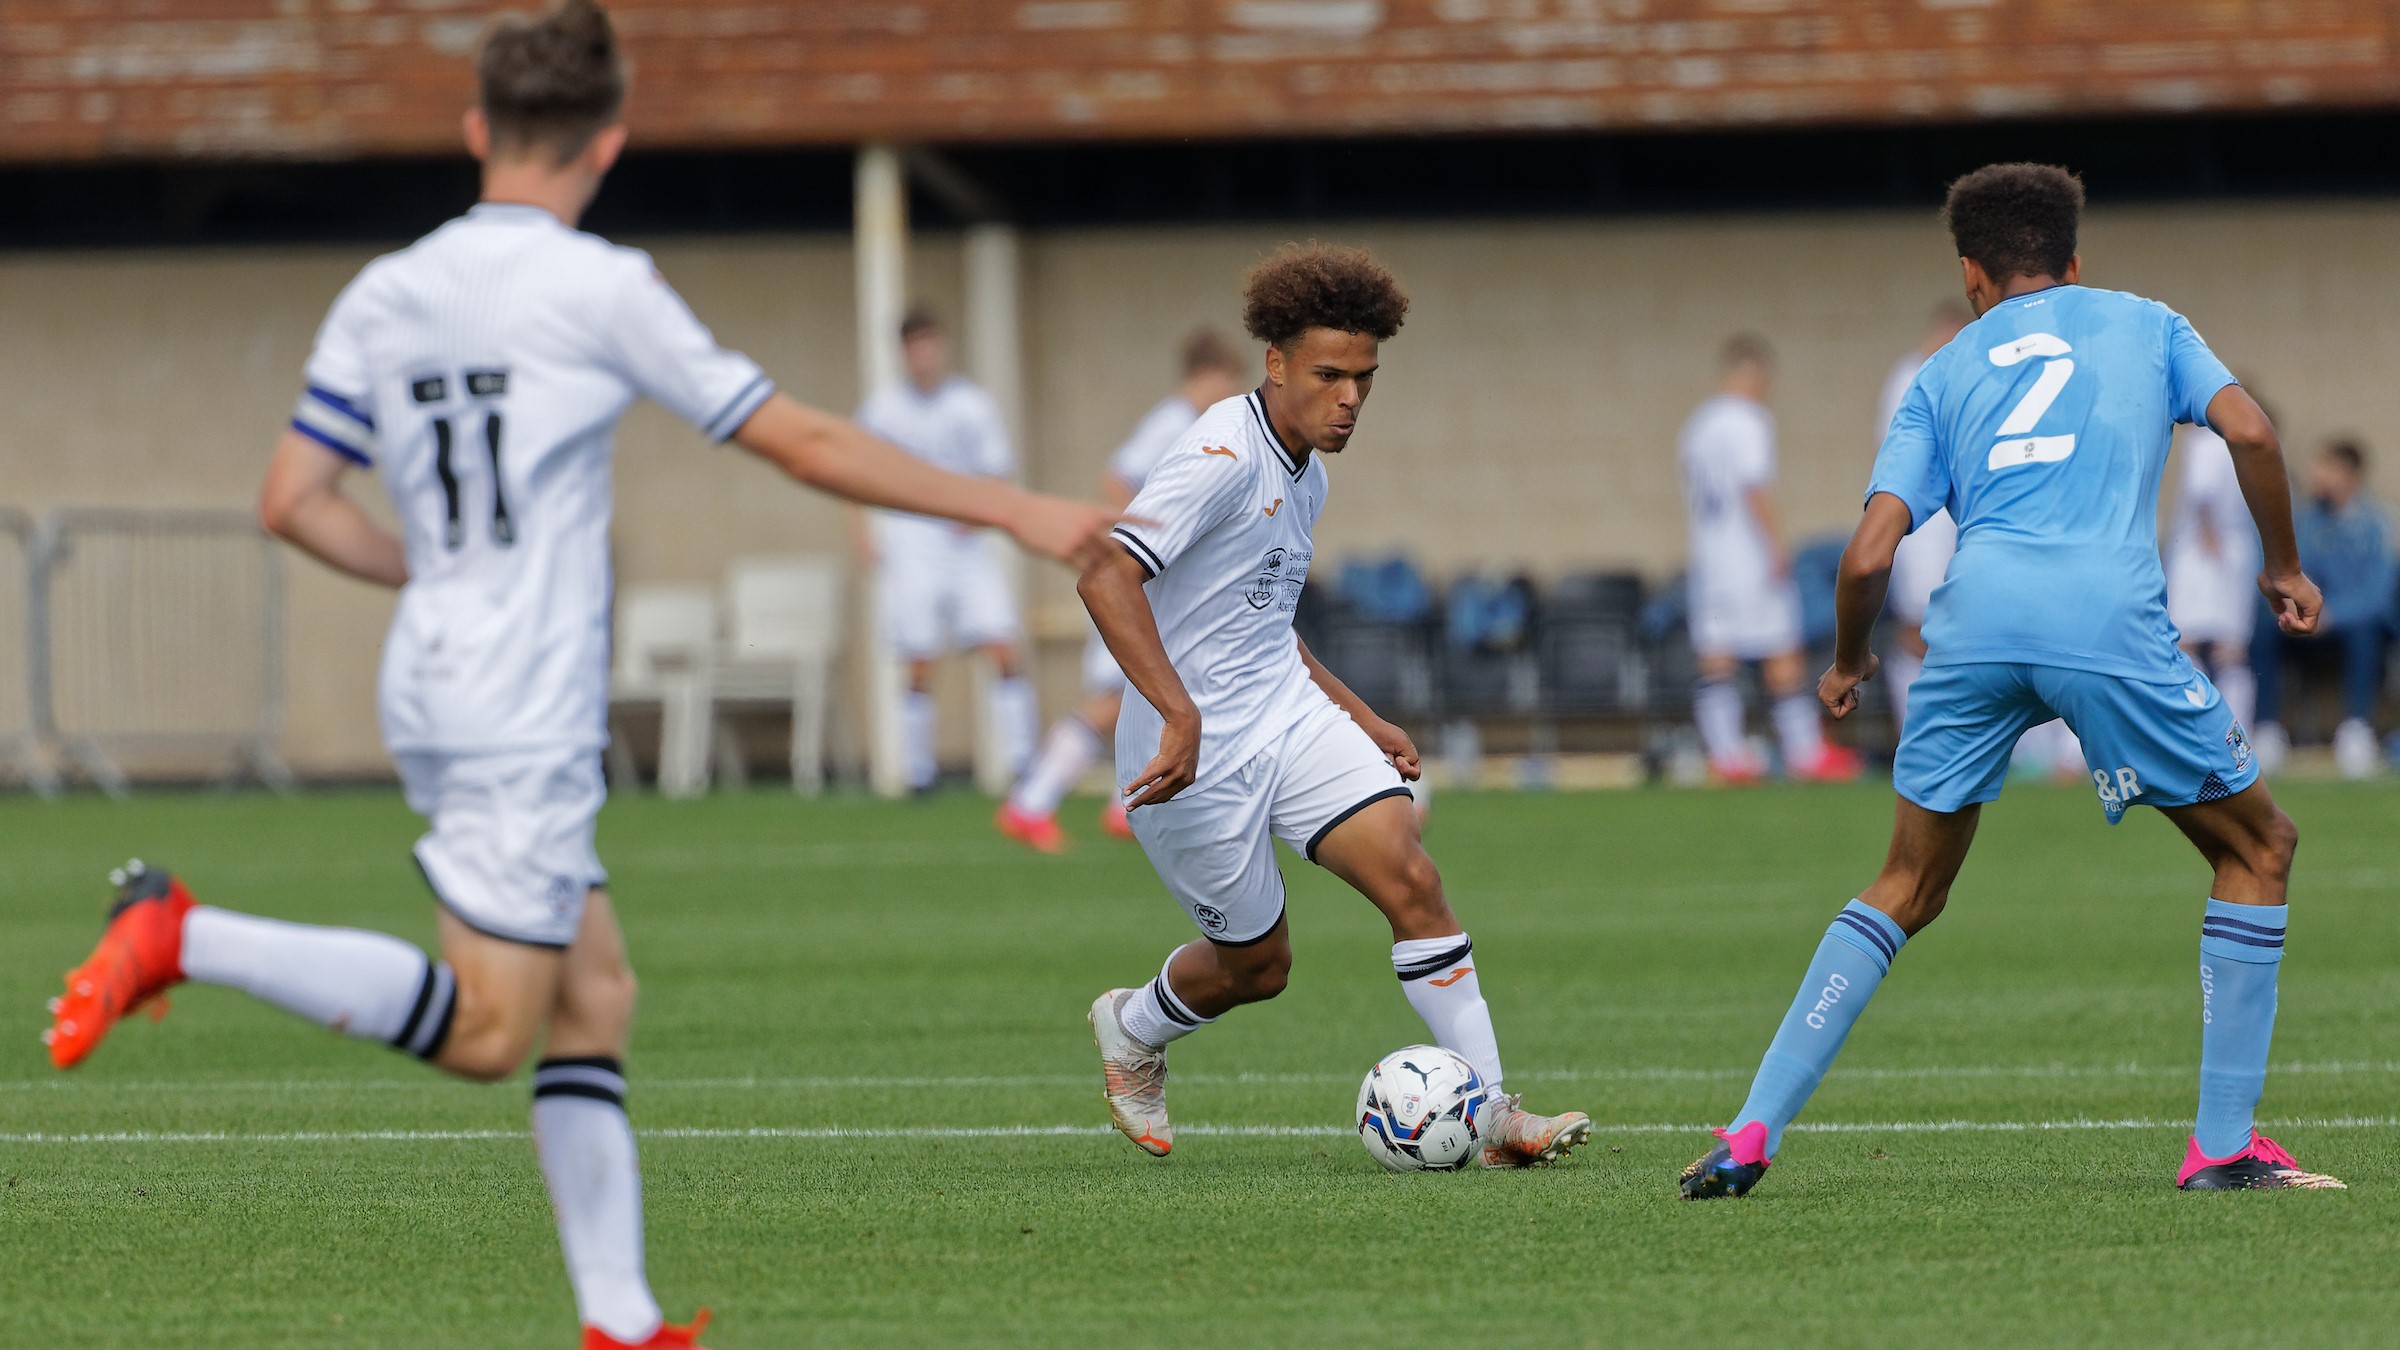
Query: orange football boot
(1039, 833)
(1113, 822)
(665, 1338)
(139, 957)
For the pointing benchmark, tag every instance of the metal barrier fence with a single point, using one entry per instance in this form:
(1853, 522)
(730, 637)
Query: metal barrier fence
(21, 754)
(158, 633)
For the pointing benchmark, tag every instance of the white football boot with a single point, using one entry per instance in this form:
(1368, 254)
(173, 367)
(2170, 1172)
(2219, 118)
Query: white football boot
(1135, 1075)
(1516, 1137)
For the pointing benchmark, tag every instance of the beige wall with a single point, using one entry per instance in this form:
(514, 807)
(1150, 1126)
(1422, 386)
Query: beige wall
(1526, 416)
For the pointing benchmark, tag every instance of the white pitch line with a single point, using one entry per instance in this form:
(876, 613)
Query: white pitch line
(1648, 1074)
(843, 1132)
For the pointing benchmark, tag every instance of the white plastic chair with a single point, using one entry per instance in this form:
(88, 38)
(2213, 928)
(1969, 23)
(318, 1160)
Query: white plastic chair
(783, 635)
(666, 642)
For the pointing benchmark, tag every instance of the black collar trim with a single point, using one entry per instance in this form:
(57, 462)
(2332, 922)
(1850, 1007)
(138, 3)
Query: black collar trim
(1258, 409)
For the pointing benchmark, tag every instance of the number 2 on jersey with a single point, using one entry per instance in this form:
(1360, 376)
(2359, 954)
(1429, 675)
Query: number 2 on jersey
(2015, 449)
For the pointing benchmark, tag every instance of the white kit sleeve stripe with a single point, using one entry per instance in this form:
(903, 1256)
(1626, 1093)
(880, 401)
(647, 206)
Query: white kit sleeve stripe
(335, 423)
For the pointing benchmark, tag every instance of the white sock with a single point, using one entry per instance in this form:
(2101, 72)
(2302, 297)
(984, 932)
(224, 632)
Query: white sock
(1801, 729)
(916, 725)
(2240, 688)
(595, 1179)
(1439, 979)
(369, 985)
(1155, 1016)
(1067, 754)
(1717, 707)
(1017, 711)
(1900, 670)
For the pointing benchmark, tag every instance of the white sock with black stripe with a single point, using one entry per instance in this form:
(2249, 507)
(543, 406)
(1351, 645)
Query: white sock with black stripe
(369, 985)
(1438, 975)
(595, 1178)
(1155, 1016)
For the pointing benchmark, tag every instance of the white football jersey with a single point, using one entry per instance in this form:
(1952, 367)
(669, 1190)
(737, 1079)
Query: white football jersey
(2209, 495)
(1151, 438)
(1227, 558)
(482, 371)
(957, 427)
(1924, 555)
(1726, 447)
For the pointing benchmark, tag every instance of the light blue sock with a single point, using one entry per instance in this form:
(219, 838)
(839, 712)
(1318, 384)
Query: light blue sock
(1858, 948)
(2241, 947)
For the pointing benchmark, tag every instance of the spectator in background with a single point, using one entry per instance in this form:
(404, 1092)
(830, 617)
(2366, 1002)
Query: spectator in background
(2212, 570)
(941, 586)
(2346, 544)
(1744, 606)
(1925, 554)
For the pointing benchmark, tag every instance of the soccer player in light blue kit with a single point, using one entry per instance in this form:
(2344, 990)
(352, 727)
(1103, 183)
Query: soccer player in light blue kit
(2043, 427)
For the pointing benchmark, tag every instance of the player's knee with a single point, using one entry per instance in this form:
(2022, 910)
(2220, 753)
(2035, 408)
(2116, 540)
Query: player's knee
(486, 1054)
(488, 1039)
(2276, 846)
(1269, 977)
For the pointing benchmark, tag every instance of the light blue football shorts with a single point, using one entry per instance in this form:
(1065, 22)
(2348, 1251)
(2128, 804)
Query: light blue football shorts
(2146, 744)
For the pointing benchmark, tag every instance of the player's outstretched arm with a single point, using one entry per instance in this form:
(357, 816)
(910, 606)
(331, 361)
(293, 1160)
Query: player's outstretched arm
(1111, 588)
(1390, 739)
(2267, 489)
(302, 501)
(1858, 591)
(835, 455)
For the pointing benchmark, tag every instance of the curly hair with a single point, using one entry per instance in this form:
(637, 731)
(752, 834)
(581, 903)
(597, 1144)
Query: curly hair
(2016, 220)
(1313, 285)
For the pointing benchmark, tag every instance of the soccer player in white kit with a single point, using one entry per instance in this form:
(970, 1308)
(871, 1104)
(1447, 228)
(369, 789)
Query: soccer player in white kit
(482, 371)
(1744, 606)
(1233, 736)
(941, 586)
(2212, 570)
(1212, 373)
(1925, 554)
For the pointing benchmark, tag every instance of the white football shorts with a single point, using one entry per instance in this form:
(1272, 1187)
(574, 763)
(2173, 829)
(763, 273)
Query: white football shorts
(1215, 849)
(940, 588)
(1749, 623)
(510, 852)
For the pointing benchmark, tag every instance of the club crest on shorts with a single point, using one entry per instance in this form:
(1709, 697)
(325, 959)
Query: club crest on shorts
(1209, 917)
(2238, 741)
(561, 894)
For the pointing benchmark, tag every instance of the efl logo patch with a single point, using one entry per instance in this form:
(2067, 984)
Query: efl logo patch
(2238, 741)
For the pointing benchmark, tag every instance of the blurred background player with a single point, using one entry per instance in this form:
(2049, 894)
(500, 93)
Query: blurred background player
(482, 371)
(1744, 605)
(1235, 736)
(941, 586)
(1925, 554)
(1213, 371)
(2048, 424)
(2212, 571)
(2345, 538)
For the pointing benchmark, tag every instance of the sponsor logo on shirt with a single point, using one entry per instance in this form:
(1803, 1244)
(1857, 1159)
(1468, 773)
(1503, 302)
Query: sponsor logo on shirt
(1218, 450)
(1281, 574)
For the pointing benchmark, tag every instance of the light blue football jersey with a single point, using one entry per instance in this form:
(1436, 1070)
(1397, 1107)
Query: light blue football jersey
(2044, 427)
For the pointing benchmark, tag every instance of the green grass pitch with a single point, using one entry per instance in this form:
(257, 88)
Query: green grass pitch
(810, 968)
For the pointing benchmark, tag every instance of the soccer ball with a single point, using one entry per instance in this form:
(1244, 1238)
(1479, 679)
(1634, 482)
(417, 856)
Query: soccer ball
(1421, 1109)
